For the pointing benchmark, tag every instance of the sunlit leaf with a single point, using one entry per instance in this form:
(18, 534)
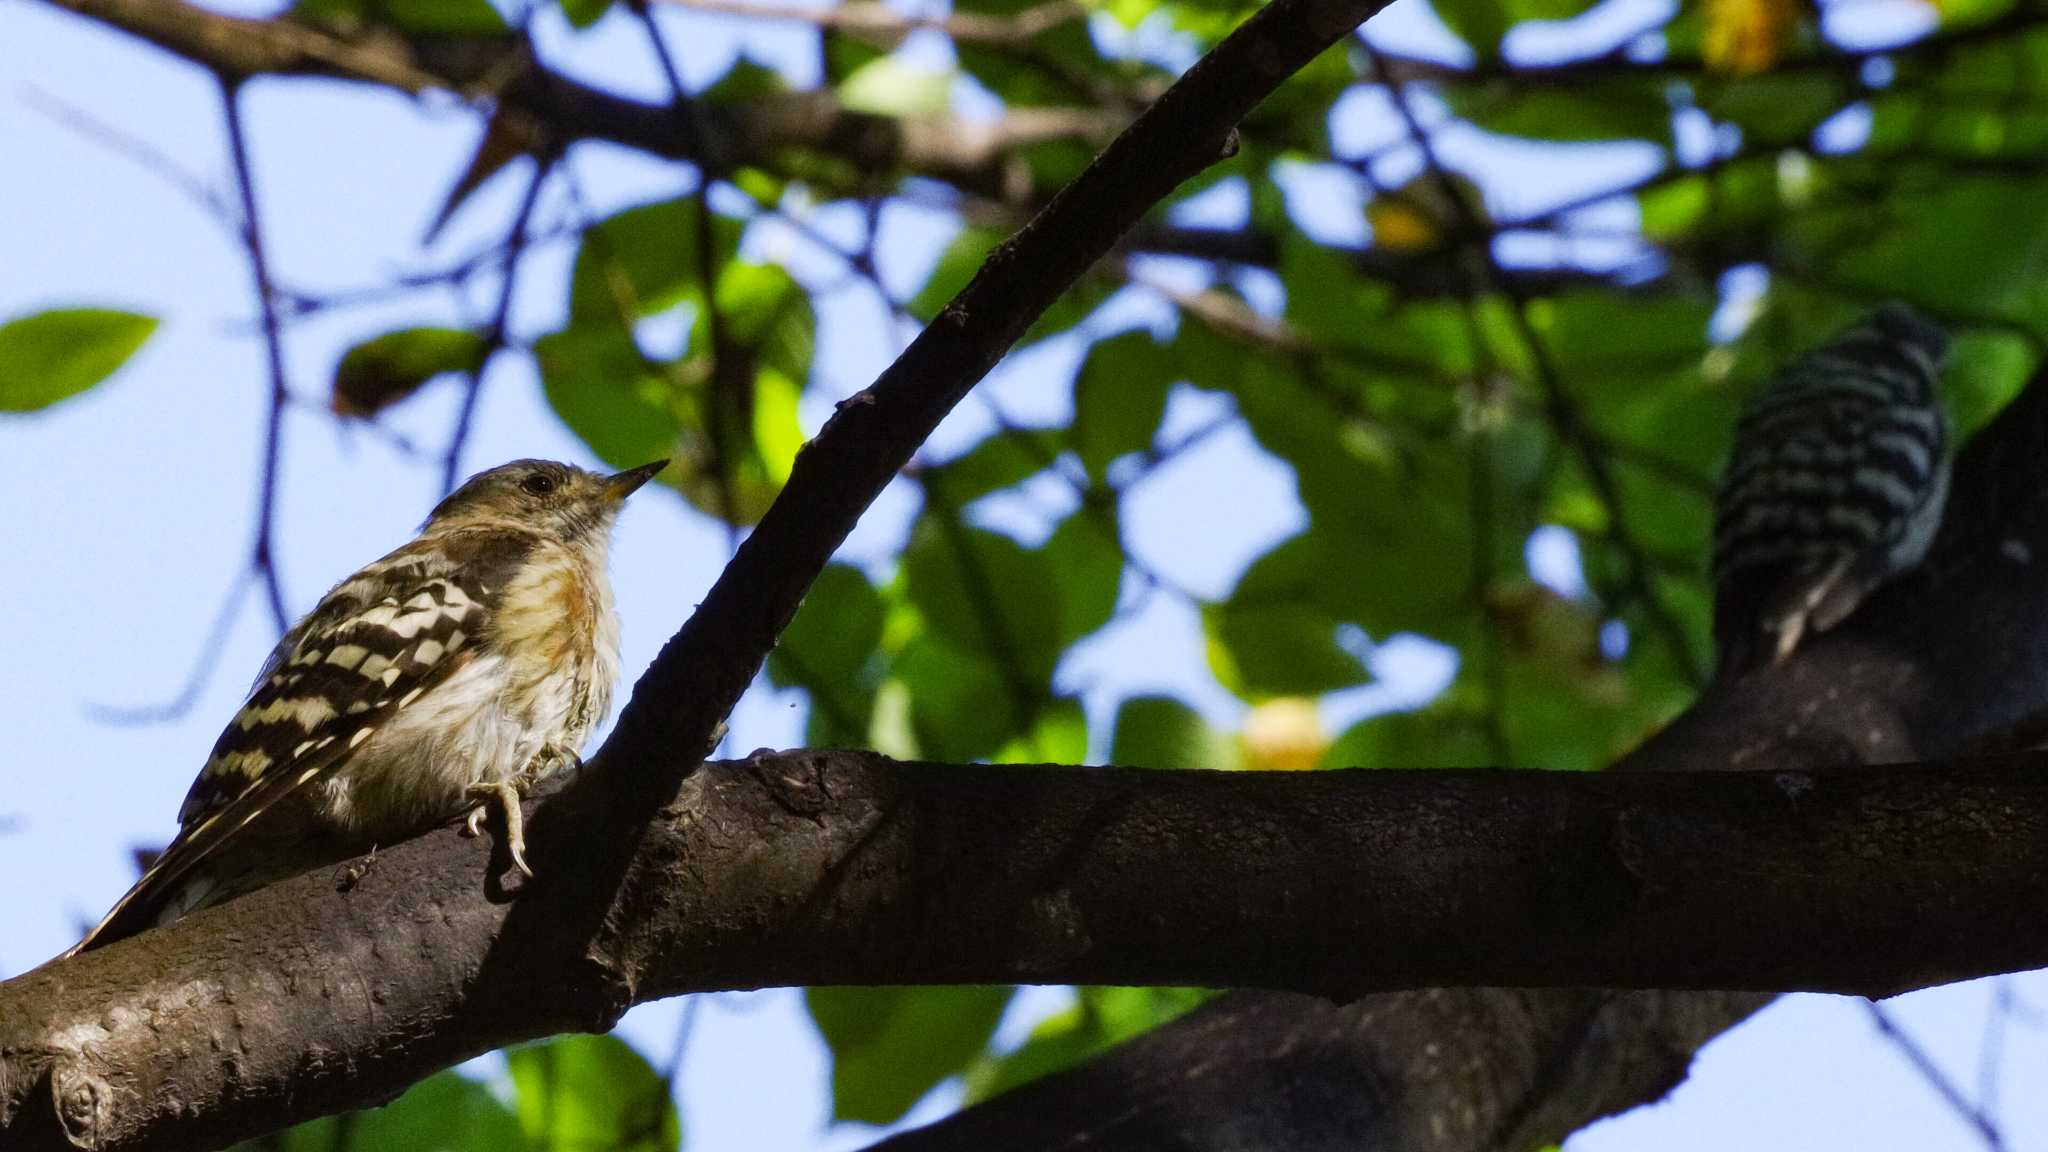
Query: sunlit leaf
(1100, 1018)
(890, 1046)
(896, 86)
(1161, 732)
(593, 1092)
(610, 395)
(49, 356)
(1119, 398)
(384, 370)
(829, 650)
(962, 705)
(446, 1112)
(987, 595)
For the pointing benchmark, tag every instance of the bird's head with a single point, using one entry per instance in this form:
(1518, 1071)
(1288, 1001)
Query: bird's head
(562, 500)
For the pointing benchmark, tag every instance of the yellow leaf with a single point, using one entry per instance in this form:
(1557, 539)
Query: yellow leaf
(1284, 735)
(1744, 37)
(1400, 226)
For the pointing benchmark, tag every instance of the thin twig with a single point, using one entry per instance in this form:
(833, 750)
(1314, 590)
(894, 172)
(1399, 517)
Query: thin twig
(209, 653)
(264, 556)
(495, 335)
(1970, 1114)
(133, 148)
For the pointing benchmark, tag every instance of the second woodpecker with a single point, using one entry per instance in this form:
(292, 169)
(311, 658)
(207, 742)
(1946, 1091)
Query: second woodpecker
(1836, 484)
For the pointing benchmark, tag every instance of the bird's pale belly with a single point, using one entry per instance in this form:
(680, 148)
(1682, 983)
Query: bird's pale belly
(484, 725)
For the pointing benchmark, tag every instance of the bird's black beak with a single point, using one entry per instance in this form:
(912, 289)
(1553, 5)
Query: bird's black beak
(620, 485)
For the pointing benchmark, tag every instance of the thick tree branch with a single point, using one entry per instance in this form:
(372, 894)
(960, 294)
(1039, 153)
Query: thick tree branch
(1946, 661)
(847, 868)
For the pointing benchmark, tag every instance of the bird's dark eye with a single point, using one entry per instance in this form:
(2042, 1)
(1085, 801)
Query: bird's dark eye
(540, 484)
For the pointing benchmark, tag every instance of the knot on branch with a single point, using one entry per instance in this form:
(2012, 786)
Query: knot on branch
(84, 1103)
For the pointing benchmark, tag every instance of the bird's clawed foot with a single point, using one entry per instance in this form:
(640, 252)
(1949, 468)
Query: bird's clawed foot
(507, 794)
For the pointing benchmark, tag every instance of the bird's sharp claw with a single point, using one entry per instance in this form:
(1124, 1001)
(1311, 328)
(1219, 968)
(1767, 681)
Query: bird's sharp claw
(507, 794)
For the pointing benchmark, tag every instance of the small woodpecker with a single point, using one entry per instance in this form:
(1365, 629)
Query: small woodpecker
(1835, 485)
(452, 674)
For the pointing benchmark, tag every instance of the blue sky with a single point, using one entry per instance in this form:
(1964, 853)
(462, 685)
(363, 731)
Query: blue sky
(130, 514)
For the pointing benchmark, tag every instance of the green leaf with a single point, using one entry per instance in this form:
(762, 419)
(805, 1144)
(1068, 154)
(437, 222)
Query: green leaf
(890, 1046)
(1675, 207)
(1605, 111)
(829, 650)
(49, 356)
(962, 707)
(1482, 23)
(1119, 398)
(957, 265)
(639, 262)
(1085, 556)
(1277, 634)
(584, 13)
(763, 308)
(745, 81)
(381, 371)
(986, 595)
(1004, 459)
(1100, 1018)
(593, 1092)
(894, 86)
(1161, 732)
(446, 1112)
(443, 17)
(1436, 737)
(1778, 107)
(1060, 736)
(608, 394)
(416, 17)
(846, 53)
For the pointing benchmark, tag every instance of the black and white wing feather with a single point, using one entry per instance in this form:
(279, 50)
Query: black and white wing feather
(1836, 484)
(376, 644)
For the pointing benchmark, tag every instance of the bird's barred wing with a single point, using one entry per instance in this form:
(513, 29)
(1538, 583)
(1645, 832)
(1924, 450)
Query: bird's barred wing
(345, 671)
(1836, 483)
(352, 664)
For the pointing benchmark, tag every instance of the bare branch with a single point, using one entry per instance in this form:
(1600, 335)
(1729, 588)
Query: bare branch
(1972, 1116)
(264, 555)
(887, 26)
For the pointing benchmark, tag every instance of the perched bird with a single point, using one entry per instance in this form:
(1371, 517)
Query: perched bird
(1835, 485)
(451, 674)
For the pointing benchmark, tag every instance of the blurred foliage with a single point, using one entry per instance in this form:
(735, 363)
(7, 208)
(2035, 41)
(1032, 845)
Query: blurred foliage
(49, 356)
(380, 372)
(575, 1092)
(1478, 369)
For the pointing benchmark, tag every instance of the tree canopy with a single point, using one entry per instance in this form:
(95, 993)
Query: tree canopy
(1487, 301)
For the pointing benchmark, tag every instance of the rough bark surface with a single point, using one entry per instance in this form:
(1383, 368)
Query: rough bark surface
(340, 987)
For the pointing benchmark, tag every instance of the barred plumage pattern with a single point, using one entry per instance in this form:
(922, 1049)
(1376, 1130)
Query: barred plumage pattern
(472, 660)
(1836, 483)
